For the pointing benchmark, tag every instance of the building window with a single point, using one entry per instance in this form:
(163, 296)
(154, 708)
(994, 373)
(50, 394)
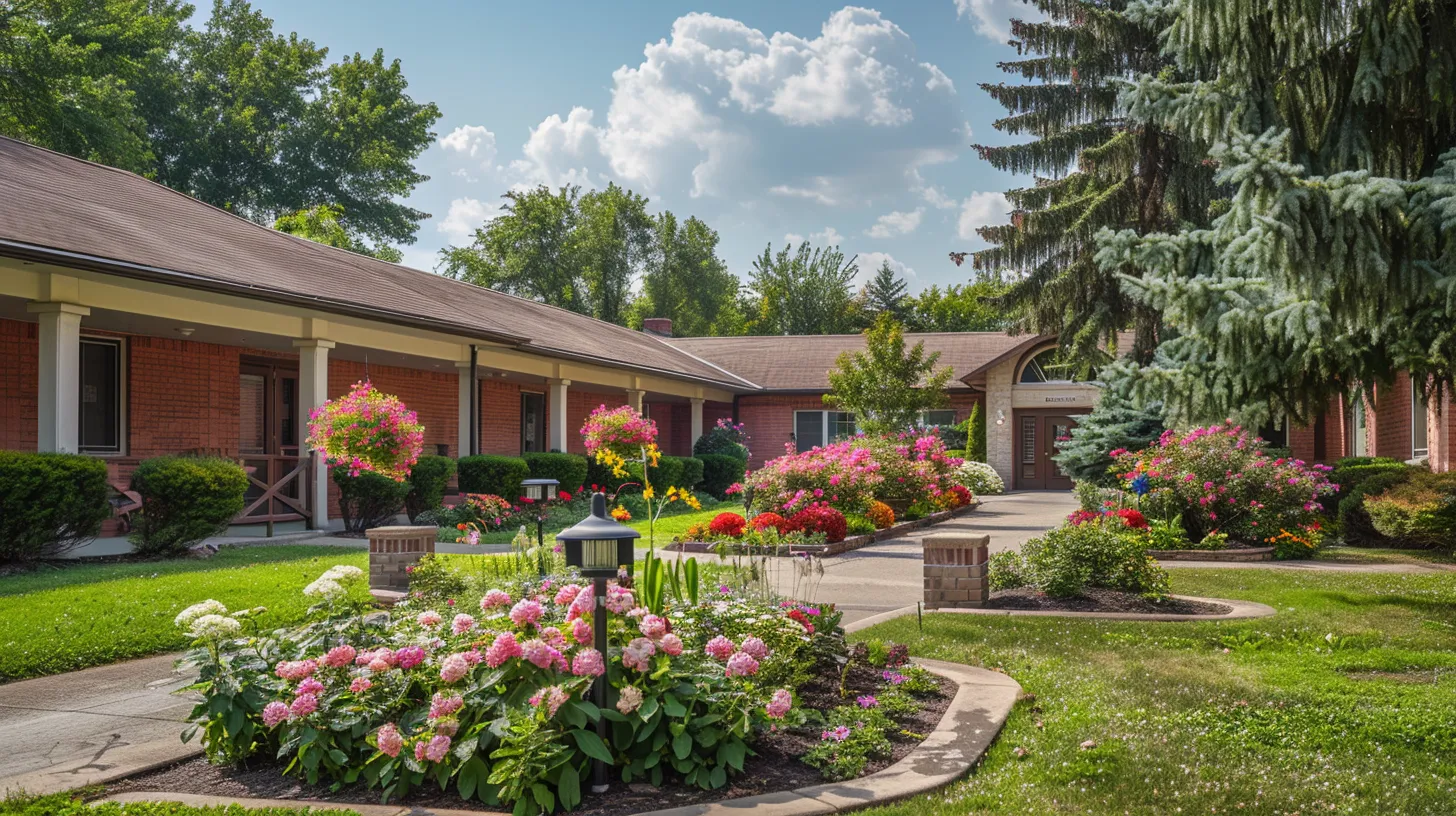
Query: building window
(1356, 424)
(1049, 365)
(1419, 446)
(814, 429)
(101, 397)
(938, 418)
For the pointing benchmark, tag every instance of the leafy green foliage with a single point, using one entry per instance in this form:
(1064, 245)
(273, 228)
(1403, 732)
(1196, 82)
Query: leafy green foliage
(184, 500)
(720, 471)
(74, 804)
(975, 426)
(886, 293)
(1101, 552)
(1116, 422)
(1355, 524)
(321, 225)
(368, 499)
(803, 291)
(687, 282)
(885, 386)
(49, 503)
(567, 468)
(959, 308)
(726, 438)
(429, 478)
(1419, 512)
(496, 475)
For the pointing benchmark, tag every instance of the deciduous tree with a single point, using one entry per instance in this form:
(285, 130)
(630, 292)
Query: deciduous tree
(803, 291)
(886, 386)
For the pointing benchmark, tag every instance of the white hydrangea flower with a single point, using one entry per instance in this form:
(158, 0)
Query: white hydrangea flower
(215, 626)
(343, 574)
(325, 588)
(185, 618)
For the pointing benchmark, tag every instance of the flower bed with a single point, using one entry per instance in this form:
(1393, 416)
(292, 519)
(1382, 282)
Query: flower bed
(766, 545)
(489, 702)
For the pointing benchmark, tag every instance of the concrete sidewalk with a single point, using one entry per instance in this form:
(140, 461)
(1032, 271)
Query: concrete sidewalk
(91, 726)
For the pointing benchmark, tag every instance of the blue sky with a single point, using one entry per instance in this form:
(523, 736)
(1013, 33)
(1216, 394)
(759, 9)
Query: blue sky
(769, 120)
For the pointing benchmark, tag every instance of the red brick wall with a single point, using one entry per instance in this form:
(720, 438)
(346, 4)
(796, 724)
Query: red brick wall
(431, 394)
(1390, 431)
(19, 385)
(183, 395)
(579, 405)
(500, 418)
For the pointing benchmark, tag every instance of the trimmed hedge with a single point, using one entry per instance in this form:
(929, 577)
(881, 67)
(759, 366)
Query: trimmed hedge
(184, 500)
(50, 503)
(668, 473)
(719, 472)
(692, 474)
(1355, 525)
(428, 481)
(368, 500)
(567, 468)
(1352, 470)
(1419, 512)
(497, 475)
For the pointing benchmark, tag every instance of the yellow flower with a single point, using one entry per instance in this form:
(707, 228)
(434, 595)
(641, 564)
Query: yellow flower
(620, 514)
(648, 494)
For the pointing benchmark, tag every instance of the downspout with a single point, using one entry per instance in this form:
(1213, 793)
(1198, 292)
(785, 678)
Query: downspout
(474, 401)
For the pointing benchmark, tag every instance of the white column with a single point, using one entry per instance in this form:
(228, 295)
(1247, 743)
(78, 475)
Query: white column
(59, 401)
(635, 398)
(467, 385)
(313, 391)
(697, 421)
(556, 429)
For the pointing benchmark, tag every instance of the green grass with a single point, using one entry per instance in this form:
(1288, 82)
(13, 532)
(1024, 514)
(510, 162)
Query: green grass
(59, 620)
(1344, 702)
(64, 804)
(1380, 555)
(669, 526)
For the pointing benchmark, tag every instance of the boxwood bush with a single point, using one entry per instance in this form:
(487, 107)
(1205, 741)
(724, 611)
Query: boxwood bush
(497, 475)
(1419, 512)
(49, 503)
(1356, 527)
(720, 471)
(567, 468)
(368, 500)
(428, 481)
(692, 474)
(184, 500)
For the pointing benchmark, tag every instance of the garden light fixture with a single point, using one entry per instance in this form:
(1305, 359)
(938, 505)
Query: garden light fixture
(539, 489)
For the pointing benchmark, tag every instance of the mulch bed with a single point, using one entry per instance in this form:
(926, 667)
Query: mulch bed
(1100, 600)
(774, 767)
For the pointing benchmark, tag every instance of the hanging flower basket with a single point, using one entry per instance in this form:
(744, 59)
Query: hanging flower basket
(617, 436)
(366, 430)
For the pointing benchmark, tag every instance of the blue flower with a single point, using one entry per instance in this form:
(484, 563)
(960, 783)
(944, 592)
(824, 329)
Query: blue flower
(1140, 484)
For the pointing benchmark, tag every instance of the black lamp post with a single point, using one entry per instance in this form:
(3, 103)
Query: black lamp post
(539, 491)
(599, 546)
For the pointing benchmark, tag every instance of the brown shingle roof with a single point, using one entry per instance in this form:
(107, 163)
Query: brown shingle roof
(802, 363)
(80, 214)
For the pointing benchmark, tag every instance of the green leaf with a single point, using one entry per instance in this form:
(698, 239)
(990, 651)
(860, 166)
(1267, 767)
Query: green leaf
(648, 708)
(591, 745)
(673, 708)
(682, 745)
(543, 796)
(732, 753)
(568, 790)
(718, 778)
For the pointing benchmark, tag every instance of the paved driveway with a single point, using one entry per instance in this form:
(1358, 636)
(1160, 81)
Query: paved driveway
(888, 575)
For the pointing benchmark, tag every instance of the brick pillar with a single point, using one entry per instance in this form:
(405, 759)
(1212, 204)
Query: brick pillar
(392, 551)
(955, 571)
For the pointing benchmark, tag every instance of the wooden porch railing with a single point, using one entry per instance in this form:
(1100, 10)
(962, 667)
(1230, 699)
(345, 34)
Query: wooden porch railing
(277, 490)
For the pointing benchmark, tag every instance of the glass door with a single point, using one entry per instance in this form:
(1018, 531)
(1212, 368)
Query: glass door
(533, 423)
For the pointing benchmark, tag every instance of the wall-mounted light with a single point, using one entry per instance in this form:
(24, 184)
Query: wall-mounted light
(186, 331)
(1000, 417)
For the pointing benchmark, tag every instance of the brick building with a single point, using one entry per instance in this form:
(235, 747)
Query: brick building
(135, 322)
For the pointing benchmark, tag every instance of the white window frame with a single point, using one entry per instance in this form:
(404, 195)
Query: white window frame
(1420, 418)
(824, 437)
(1358, 443)
(924, 418)
(123, 434)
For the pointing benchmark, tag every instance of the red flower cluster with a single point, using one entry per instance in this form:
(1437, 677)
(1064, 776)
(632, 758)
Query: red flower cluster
(798, 616)
(1132, 518)
(774, 520)
(821, 518)
(727, 524)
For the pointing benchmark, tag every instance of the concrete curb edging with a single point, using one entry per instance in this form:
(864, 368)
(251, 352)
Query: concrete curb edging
(982, 702)
(1240, 610)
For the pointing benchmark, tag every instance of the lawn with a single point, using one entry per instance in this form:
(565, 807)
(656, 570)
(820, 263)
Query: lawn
(58, 620)
(66, 805)
(1342, 703)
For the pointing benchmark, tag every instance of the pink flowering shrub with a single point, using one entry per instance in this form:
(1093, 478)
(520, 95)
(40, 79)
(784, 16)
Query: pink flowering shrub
(367, 431)
(1218, 478)
(851, 474)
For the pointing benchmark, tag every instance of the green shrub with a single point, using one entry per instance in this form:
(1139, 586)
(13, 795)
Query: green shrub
(184, 500)
(858, 525)
(1356, 527)
(368, 500)
(1116, 423)
(1419, 512)
(497, 475)
(1096, 553)
(49, 503)
(428, 481)
(719, 472)
(724, 439)
(567, 468)
(1006, 570)
(975, 426)
(692, 474)
(668, 473)
(1351, 472)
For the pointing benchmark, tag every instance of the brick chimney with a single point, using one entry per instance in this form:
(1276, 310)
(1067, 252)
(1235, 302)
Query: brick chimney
(660, 326)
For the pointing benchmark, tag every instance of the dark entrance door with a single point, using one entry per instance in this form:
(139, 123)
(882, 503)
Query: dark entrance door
(533, 423)
(268, 409)
(1038, 437)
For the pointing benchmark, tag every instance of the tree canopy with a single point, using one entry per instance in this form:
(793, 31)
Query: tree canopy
(885, 293)
(803, 291)
(886, 386)
(323, 225)
(233, 113)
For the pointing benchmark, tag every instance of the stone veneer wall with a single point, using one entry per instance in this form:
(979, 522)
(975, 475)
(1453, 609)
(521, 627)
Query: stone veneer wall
(999, 438)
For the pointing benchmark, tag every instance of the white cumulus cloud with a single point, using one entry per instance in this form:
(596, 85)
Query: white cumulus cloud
(472, 141)
(992, 18)
(465, 215)
(981, 210)
(870, 262)
(719, 109)
(896, 223)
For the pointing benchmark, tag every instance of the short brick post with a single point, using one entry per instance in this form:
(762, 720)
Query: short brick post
(955, 571)
(392, 551)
